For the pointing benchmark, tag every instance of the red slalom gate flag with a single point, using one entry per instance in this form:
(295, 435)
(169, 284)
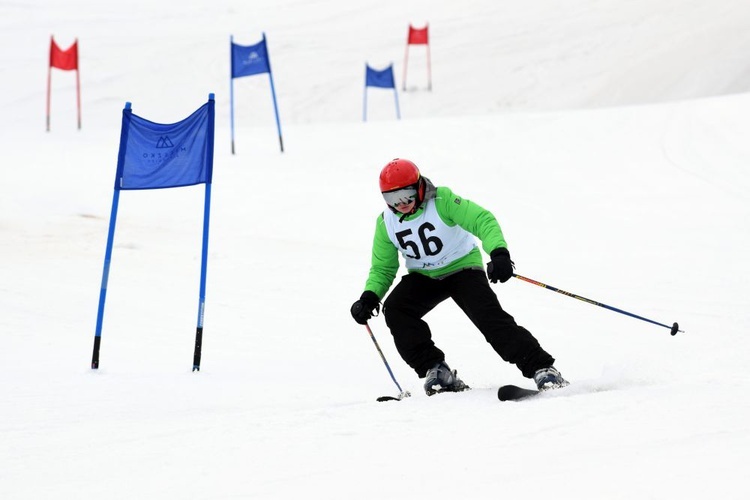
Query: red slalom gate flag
(63, 59)
(418, 36)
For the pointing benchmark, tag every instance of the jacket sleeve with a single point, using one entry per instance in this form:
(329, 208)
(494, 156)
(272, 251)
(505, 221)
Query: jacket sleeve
(384, 264)
(480, 222)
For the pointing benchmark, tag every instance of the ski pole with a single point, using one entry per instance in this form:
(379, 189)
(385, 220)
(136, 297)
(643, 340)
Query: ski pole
(672, 329)
(402, 394)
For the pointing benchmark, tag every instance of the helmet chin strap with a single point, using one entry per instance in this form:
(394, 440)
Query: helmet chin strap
(412, 211)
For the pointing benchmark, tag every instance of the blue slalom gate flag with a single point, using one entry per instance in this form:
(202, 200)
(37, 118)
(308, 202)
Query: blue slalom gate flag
(250, 60)
(383, 79)
(154, 155)
(380, 78)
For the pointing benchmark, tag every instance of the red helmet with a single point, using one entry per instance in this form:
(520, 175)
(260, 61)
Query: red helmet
(399, 174)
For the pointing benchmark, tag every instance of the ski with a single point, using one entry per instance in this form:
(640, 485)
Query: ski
(515, 393)
(504, 393)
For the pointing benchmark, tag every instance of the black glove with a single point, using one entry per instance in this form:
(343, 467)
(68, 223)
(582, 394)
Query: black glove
(500, 268)
(363, 308)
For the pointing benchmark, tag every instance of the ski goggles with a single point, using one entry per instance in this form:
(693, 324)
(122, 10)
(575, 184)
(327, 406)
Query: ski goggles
(400, 197)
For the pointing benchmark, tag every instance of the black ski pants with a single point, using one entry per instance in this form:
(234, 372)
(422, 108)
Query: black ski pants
(417, 294)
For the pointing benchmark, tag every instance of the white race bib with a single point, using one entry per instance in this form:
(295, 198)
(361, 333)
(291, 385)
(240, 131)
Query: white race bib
(426, 242)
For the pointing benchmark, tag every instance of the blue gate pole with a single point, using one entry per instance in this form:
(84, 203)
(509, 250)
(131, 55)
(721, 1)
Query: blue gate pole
(364, 105)
(105, 279)
(110, 235)
(395, 94)
(273, 96)
(204, 250)
(202, 288)
(231, 88)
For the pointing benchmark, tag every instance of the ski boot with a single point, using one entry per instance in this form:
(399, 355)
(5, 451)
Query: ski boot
(549, 378)
(440, 378)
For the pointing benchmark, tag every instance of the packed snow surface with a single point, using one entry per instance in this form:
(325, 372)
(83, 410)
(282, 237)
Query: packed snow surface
(609, 138)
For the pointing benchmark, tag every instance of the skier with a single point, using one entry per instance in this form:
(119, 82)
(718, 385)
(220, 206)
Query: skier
(434, 230)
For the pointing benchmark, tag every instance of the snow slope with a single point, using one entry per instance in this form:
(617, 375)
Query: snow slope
(609, 138)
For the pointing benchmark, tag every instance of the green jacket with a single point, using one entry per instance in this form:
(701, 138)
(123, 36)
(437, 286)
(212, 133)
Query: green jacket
(453, 210)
